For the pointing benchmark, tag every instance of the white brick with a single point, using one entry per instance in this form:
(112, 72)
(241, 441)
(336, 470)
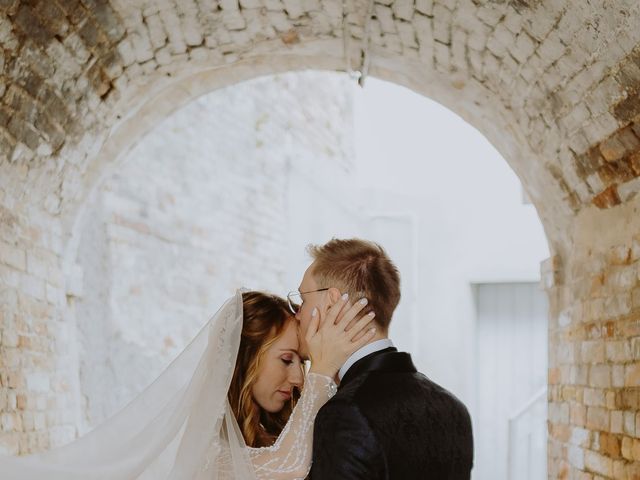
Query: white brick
(576, 457)
(192, 32)
(403, 9)
(13, 256)
(442, 24)
(141, 45)
(385, 17)
(37, 382)
(424, 6)
(234, 21)
(523, 47)
(248, 4)
(157, 34)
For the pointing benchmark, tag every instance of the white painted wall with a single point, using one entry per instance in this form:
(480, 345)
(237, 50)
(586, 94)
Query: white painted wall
(511, 369)
(416, 158)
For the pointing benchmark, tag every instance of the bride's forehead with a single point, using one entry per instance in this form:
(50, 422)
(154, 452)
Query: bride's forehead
(288, 339)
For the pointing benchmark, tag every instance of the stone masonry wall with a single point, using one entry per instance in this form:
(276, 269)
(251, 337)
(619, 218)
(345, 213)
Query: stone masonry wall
(38, 369)
(75, 68)
(594, 375)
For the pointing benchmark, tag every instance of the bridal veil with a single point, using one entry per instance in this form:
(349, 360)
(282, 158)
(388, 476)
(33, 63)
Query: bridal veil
(181, 427)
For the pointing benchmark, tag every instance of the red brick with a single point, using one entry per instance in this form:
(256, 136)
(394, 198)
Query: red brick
(612, 149)
(607, 198)
(628, 108)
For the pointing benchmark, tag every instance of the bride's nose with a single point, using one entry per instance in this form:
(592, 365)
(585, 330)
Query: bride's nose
(295, 377)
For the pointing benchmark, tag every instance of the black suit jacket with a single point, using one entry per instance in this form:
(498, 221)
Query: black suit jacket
(388, 421)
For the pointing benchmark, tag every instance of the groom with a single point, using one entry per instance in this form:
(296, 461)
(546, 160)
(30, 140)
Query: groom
(387, 421)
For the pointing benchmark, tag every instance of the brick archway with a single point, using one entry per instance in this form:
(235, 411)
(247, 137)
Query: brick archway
(553, 85)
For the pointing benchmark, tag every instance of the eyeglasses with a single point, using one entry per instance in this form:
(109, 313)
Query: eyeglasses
(294, 299)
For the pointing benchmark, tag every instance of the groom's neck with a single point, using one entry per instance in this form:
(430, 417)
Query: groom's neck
(378, 336)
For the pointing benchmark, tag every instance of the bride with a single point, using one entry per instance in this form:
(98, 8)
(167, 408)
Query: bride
(226, 408)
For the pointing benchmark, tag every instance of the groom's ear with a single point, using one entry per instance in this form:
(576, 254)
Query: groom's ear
(334, 295)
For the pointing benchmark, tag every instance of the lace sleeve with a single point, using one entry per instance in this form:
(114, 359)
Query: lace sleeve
(289, 457)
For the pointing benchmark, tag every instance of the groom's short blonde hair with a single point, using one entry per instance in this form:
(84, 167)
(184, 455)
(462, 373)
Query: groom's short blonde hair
(362, 269)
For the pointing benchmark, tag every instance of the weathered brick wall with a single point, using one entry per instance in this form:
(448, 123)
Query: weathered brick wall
(527, 69)
(38, 370)
(594, 376)
(200, 207)
(553, 84)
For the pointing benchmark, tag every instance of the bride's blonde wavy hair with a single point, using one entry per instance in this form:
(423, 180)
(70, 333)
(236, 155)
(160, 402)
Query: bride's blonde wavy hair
(264, 319)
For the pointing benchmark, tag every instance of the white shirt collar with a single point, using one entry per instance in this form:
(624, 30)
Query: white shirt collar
(363, 352)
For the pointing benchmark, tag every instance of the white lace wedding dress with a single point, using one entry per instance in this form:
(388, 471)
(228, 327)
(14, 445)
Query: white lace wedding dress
(290, 456)
(181, 427)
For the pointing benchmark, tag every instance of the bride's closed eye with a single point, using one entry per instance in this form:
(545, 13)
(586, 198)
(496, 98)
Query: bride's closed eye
(288, 359)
